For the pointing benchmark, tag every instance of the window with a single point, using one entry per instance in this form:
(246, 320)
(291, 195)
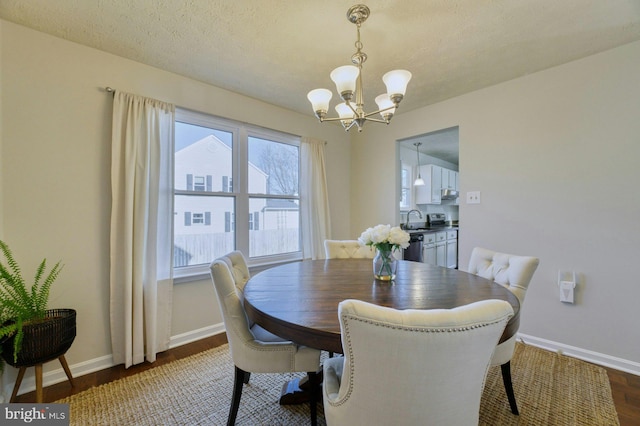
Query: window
(405, 187)
(237, 187)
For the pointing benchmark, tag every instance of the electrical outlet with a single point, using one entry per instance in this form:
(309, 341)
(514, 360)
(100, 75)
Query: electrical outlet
(567, 283)
(473, 197)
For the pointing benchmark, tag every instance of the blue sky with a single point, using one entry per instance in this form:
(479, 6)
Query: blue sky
(186, 134)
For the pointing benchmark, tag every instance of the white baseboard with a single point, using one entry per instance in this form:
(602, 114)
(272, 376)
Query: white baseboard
(195, 335)
(80, 369)
(104, 362)
(584, 354)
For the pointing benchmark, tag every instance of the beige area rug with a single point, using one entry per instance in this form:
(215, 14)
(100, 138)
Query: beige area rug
(551, 390)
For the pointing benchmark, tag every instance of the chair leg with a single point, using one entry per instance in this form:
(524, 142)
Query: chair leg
(246, 378)
(508, 386)
(16, 387)
(239, 380)
(314, 391)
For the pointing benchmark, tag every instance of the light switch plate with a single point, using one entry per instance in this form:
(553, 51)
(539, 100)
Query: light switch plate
(473, 197)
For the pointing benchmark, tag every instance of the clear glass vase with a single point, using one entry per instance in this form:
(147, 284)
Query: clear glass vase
(385, 265)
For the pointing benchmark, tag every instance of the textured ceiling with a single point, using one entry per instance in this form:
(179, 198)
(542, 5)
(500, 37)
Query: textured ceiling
(278, 50)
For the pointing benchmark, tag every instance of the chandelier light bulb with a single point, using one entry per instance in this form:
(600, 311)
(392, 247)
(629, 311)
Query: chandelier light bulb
(319, 99)
(344, 112)
(346, 115)
(386, 106)
(396, 82)
(345, 78)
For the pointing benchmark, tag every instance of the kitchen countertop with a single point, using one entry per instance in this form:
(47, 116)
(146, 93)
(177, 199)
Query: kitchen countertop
(434, 229)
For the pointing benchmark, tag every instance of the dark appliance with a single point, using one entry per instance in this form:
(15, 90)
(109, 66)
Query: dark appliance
(436, 220)
(414, 251)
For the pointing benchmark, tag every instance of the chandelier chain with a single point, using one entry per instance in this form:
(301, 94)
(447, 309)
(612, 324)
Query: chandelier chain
(359, 57)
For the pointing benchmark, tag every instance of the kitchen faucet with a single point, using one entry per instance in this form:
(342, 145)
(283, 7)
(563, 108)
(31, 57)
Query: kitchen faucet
(406, 225)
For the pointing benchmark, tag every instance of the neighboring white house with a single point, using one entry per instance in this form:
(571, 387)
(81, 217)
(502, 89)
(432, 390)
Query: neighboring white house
(204, 225)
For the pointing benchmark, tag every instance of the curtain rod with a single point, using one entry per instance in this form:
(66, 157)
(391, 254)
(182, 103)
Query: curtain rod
(113, 91)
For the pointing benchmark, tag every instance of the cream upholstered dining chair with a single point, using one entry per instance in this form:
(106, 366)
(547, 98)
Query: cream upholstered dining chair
(376, 381)
(347, 249)
(513, 272)
(253, 349)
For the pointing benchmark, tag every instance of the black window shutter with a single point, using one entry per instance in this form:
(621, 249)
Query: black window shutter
(225, 183)
(187, 218)
(227, 221)
(207, 218)
(209, 183)
(256, 221)
(189, 182)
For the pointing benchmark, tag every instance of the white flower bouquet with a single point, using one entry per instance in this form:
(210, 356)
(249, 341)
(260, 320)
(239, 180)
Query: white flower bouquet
(385, 238)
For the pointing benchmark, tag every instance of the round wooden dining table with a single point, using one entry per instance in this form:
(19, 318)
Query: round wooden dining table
(299, 301)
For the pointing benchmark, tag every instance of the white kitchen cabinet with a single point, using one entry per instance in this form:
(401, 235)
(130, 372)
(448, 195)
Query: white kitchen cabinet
(452, 249)
(444, 178)
(430, 192)
(429, 248)
(449, 179)
(441, 254)
(436, 179)
(429, 254)
(441, 249)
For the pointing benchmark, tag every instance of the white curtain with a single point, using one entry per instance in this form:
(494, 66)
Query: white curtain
(141, 228)
(316, 223)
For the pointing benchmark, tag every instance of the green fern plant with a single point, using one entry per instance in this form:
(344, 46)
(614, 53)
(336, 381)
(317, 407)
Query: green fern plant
(21, 304)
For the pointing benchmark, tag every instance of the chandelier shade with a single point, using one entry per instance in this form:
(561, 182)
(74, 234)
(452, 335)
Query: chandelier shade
(345, 78)
(386, 106)
(348, 81)
(396, 82)
(344, 112)
(320, 99)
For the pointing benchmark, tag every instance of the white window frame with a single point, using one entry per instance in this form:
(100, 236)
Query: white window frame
(405, 167)
(239, 191)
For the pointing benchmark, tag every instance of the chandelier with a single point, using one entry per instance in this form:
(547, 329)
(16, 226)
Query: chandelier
(348, 80)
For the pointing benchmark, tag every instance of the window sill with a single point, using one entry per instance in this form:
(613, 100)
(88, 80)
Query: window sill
(201, 272)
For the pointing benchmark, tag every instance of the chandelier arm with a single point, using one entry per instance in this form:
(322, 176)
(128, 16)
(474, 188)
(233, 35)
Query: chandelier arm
(377, 120)
(379, 111)
(347, 128)
(365, 117)
(332, 119)
(355, 111)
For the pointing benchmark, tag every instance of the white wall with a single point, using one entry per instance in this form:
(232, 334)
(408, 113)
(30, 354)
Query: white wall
(555, 156)
(55, 138)
(1, 134)
(562, 142)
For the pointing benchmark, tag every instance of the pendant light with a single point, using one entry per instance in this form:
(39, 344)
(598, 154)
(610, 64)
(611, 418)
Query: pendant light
(419, 181)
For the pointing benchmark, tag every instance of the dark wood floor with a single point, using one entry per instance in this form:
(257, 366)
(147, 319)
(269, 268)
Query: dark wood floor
(624, 387)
